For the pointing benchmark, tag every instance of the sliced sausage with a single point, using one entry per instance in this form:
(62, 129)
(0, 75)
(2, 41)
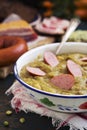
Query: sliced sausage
(74, 68)
(50, 58)
(83, 105)
(63, 81)
(84, 59)
(35, 71)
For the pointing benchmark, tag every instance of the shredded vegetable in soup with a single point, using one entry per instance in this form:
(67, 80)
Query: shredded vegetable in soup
(62, 74)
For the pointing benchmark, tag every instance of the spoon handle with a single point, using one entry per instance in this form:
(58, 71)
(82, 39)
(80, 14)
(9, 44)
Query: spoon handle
(73, 25)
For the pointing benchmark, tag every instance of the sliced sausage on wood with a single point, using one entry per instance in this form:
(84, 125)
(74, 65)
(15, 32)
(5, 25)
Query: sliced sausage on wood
(35, 71)
(84, 59)
(63, 81)
(50, 58)
(74, 68)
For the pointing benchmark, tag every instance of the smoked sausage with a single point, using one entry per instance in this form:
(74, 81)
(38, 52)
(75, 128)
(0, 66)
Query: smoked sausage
(11, 48)
(63, 81)
(50, 58)
(74, 68)
(35, 71)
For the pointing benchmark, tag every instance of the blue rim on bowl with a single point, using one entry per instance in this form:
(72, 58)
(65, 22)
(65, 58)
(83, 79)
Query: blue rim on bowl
(43, 92)
(59, 102)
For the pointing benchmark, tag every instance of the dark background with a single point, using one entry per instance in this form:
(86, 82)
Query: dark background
(63, 9)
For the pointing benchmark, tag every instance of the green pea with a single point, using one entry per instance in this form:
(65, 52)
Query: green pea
(8, 112)
(6, 123)
(22, 120)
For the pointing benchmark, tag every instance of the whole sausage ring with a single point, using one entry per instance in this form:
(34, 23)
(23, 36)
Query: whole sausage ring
(11, 48)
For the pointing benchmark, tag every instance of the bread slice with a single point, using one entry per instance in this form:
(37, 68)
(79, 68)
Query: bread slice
(18, 28)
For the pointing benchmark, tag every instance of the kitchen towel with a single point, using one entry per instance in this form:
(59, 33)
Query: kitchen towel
(21, 101)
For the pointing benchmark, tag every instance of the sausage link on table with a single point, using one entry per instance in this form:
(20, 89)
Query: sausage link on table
(11, 48)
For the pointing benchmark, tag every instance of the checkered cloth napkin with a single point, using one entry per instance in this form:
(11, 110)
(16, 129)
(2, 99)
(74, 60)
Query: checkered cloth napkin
(21, 101)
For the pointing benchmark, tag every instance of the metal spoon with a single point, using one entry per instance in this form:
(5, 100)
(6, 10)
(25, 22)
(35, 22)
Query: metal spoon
(73, 25)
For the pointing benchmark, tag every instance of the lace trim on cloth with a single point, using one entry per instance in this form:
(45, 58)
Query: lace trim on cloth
(21, 101)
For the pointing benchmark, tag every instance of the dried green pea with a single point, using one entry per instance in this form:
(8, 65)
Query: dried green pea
(6, 123)
(8, 112)
(22, 120)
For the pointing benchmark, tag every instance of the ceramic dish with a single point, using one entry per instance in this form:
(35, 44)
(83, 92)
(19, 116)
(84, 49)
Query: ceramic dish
(52, 26)
(57, 102)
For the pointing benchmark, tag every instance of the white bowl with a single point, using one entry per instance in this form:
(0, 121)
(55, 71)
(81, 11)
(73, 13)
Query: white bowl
(57, 102)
